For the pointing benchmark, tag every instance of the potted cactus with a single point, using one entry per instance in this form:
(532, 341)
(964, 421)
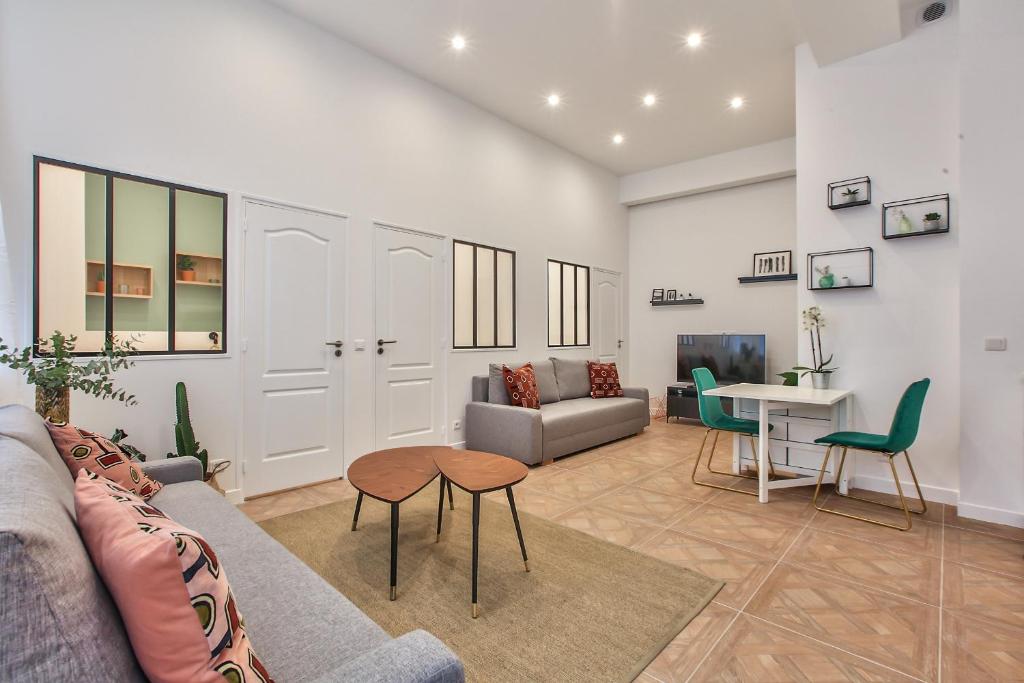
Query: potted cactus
(101, 282)
(932, 221)
(850, 194)
(186, 268)
(185, 439)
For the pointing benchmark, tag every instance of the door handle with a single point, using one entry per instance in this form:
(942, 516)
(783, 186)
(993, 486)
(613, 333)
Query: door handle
(337, 344)
(382, 342)
(620, 342)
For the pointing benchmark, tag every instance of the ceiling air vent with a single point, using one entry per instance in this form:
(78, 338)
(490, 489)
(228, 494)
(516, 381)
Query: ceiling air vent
(933, 12)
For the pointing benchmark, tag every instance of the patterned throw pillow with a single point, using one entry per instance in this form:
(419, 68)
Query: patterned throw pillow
(521, 384)
(170, 588)
(83, 449)
(604, 380)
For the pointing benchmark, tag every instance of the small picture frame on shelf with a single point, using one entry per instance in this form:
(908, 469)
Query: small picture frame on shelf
(842, 269)
(670, 295)
(914, 217)
(844, 194)
(658, 295)
(773, 263)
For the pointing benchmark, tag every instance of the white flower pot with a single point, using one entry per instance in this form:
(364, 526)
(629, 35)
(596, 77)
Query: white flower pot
(819, 380)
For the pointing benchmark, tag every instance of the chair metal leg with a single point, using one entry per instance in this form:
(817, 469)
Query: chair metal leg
(696, 466)
(903, 507)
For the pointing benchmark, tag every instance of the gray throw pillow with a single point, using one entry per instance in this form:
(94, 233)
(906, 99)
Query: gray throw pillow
(573, 378)
(543, 370)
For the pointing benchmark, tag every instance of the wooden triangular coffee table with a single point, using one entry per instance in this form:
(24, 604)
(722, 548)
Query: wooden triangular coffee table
(396, 474)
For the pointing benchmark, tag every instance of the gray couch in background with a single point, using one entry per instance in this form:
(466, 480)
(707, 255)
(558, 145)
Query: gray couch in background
(569, 420)
(58, 622)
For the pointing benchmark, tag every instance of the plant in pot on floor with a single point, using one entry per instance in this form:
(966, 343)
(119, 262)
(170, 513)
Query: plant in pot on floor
(821, 371)
(56, 371)
(186, 268)
(185, 438)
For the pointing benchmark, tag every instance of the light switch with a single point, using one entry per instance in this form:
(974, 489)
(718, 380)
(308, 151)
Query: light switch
(995, 343)
(360, 344)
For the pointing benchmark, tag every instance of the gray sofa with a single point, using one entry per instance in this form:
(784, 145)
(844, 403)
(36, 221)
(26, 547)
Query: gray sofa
(569, 420)
(57, 621)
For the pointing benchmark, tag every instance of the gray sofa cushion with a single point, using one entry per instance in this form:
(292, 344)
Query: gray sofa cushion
(58, 620)
(299, 624)
(23, 424)
(569, 417)
(547, 385)
(573, 378)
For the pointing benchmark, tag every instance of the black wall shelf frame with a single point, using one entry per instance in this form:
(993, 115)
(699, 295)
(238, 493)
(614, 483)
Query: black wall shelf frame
(944, 217)
(811, 280)
(679, 302)
(751, 279)
(865, 181)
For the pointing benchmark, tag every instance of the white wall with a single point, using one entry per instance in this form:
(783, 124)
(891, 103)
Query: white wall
(891, 114)
(991, 244)
(242, 97)
(703, 243)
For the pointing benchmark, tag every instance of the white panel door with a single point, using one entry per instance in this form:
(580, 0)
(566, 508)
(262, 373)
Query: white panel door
(608, 316)
(293, 318)
(409, 276)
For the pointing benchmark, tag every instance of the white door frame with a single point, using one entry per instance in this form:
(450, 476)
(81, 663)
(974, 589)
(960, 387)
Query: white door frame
(623, 300)
(446, 245)
(240, 325)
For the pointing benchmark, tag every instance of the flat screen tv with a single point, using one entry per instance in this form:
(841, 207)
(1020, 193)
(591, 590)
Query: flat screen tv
(731, 358)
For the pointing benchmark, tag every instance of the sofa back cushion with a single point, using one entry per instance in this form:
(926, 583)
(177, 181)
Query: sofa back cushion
(58, 620)
(573, 378)
(23, 424)
(544, 372)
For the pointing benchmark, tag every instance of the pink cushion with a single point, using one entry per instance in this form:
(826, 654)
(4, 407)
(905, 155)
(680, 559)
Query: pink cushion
(80, 449)
(172, 592)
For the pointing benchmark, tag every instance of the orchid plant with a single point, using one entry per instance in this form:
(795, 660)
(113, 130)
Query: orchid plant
(813, 322)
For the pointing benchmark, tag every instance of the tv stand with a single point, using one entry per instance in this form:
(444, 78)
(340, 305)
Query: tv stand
(682, 402)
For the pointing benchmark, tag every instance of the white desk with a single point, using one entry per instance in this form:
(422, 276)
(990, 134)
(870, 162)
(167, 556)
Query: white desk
(770, 396)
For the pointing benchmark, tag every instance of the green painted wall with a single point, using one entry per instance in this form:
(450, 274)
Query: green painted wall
(95, 242)
(200, 230)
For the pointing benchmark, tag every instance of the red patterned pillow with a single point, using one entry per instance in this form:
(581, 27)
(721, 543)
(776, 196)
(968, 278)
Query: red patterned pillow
(170, 588)
(521, 384)
(80, 449)
(604, 380)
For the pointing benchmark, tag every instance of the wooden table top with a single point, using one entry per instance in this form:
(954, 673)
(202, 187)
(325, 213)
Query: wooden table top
(479, 472)
(395, 474)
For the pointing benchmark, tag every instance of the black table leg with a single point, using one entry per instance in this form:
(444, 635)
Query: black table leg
(451, 501)
(440, 509)
(476, 548)
(394, 548)
(519, 531)
(359, 504)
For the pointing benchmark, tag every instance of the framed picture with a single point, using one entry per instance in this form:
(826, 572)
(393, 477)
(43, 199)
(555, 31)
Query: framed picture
(773, 263)
(670, 295)
(658, 295)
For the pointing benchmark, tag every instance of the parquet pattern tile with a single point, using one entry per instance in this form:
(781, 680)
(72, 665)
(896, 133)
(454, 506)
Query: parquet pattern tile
(808, 596)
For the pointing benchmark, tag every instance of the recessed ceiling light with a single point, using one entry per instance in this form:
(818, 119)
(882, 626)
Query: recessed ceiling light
(458, 42)
(736, 102)
(694, 39)
(617, 139)
(650, 99)
(554, 100)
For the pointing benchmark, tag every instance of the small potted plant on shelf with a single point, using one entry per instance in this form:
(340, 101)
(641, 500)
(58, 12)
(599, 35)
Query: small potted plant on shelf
(932, 221)
(57, 372)
(850, 194)
(820, 372)
(101, 282)
(186, 268)
(827, 279)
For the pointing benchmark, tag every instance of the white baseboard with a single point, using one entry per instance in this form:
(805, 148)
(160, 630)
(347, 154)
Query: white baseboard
(458, 444)
(886, 485)
(990, 514)
(234, 496)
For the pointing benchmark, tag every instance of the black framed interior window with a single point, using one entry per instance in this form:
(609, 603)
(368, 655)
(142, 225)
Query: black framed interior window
(119, 255)
(483, 296)
(568, 304)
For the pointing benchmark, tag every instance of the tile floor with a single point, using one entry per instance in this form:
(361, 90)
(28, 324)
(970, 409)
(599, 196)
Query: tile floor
(808, 596)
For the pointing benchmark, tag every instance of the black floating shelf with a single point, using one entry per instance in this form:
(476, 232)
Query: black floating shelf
(862, 184)
(940, 227)
(767, 278)
(679, 302)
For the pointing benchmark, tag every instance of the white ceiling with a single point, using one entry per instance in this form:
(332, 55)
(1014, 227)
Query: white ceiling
(601, 56)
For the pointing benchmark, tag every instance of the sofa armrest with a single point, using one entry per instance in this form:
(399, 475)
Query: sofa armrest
(174, 470)
(642, 394)
(416, 657)
(506, 430)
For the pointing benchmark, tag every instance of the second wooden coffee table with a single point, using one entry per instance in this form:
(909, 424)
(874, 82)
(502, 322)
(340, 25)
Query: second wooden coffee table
(477, 473)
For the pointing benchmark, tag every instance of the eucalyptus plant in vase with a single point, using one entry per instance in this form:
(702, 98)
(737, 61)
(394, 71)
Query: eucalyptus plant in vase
(56, 371)
(821, 370)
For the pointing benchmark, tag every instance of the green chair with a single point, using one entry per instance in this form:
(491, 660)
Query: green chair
(717, 421)
(900, 438)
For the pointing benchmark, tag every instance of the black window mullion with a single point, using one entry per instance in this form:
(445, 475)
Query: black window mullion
(172, 275)
(513, 298)
(475, 249)
(494, 278)
(108, 267)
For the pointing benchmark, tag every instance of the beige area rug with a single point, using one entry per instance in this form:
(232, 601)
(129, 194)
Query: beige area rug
(588, 610)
